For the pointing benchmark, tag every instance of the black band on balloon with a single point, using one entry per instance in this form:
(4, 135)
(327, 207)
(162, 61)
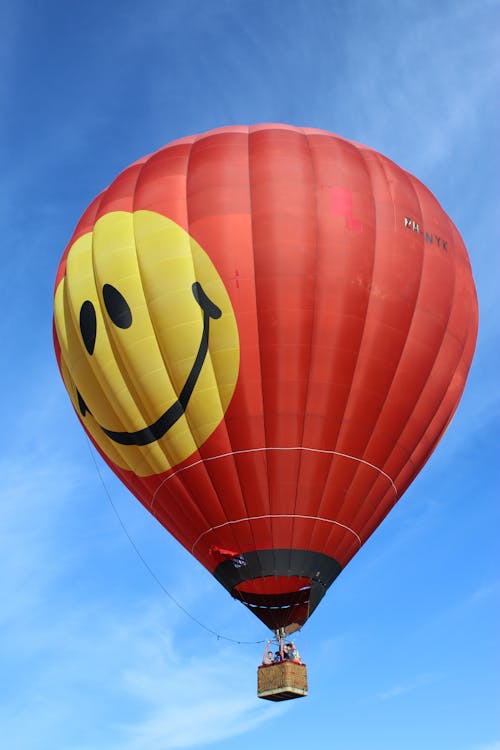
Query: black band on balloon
(320, 569)
(261, 563)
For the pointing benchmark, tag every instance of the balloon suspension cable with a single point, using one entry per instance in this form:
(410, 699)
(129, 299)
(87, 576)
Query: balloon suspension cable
(151, 571)
(280, 636)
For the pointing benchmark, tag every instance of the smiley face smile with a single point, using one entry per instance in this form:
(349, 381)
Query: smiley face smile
(148, 340)
(121, 316)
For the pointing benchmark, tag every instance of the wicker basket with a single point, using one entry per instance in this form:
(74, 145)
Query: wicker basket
(282, 682)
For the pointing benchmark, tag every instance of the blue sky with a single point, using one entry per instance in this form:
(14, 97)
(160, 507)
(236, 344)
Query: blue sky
(403, 653)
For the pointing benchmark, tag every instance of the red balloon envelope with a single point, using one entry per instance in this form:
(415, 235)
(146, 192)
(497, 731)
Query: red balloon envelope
(265, 331)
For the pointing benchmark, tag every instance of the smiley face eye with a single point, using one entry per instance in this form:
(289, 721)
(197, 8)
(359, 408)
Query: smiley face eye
(117, 306)
(88, 325)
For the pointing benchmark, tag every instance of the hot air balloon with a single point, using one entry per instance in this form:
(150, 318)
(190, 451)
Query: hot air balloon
(265, 331)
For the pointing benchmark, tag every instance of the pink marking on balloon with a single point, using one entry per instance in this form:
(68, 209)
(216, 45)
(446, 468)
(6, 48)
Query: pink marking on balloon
(342, 205)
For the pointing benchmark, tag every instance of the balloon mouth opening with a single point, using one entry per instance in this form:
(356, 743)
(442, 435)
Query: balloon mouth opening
(278, 601)
(273, 585)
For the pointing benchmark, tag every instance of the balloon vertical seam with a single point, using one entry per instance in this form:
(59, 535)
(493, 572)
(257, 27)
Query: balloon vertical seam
(312, 326)
(251, 189)
(419, 396)
(381, 161)
(362, 162)
(207, 473)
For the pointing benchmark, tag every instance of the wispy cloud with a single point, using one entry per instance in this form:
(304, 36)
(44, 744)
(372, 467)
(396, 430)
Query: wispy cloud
(403, 688)
(193, 702)
(140, 670)
(485, 592)
(414, 91)
(66, 637)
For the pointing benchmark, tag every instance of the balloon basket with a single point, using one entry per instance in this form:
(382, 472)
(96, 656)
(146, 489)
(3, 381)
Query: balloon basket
(282, 682)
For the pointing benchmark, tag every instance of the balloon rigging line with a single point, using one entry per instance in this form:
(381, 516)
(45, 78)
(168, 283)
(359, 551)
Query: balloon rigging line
(278, 515)
(205, 459)
(151, 571)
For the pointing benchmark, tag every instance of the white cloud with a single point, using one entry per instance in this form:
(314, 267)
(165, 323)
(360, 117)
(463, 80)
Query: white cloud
(485, 592)
(406, 687)
(78, 655)
(194, 702)
(94, 667)
(429, 86)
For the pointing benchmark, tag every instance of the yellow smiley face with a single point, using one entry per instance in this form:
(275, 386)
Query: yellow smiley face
(149, 341)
